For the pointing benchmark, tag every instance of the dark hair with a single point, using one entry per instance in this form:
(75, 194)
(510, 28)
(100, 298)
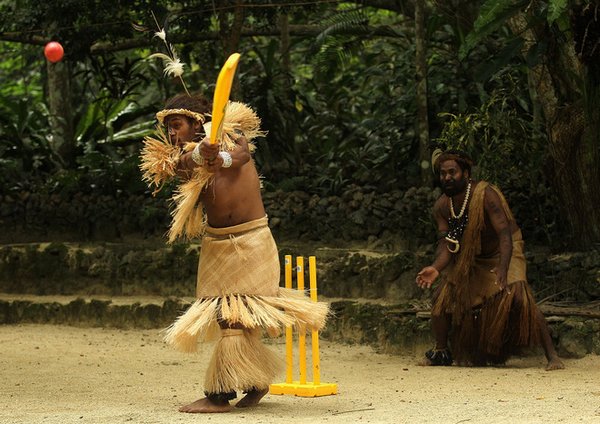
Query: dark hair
(463, 160)
(195, 103)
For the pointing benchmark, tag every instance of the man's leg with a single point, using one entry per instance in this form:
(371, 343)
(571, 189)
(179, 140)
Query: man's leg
(267, 366)
(252, 398)
(213, 402)
(440, 324)
(554, 362)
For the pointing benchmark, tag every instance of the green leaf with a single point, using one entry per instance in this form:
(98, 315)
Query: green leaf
(341, 22)
(119, 109)
(492, 15)
(556, 8)
(88, 119)
(134, 132)
(485, 70)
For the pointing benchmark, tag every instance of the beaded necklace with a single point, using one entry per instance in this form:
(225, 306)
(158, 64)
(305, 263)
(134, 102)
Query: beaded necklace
(464, 205)
(457, 223)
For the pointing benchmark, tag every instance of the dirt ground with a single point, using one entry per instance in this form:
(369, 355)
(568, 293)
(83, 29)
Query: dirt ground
(54, 374)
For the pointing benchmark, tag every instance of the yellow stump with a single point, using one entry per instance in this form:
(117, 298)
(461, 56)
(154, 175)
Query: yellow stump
(302, 387)
(289, 338)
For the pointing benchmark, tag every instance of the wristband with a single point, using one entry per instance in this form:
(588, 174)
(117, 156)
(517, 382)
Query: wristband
(227, 160)
(196, 157)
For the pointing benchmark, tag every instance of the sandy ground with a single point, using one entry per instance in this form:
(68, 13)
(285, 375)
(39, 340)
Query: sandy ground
(54, 374)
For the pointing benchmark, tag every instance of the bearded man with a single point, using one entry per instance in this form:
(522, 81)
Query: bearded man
(484, 301)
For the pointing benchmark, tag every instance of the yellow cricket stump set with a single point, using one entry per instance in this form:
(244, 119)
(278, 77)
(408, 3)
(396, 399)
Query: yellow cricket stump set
(302, 387)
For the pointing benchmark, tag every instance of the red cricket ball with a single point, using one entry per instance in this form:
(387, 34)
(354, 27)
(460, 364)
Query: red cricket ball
(54, 51)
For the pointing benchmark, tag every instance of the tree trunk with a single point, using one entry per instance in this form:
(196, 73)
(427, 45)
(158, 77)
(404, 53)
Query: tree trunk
(286, 66)
(421, 95)
(286, 101)
(230, 32)
(61, 122)
(572, 136)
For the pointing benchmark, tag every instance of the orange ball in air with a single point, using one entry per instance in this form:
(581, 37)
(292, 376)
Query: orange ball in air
(54, 51)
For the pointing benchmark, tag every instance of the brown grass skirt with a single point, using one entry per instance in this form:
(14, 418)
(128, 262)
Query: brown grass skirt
(493, 331)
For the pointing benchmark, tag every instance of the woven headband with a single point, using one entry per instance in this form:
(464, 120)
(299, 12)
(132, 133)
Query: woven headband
(166, 112)
(449, 155)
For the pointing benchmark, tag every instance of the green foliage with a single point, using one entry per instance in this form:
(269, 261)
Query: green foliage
(556, 8)
(361, 130)
(344, 116)
(510, 149)
(19, 71)
(493, 15)
(268, 87)
(333, 45)
(107, 120)
(499, 134)
(344, 113)
(99, 120)
(76, 24)
(117, 76)
(24, 149)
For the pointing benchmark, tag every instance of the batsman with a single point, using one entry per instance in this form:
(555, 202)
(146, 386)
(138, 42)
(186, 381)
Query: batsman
(219, 199)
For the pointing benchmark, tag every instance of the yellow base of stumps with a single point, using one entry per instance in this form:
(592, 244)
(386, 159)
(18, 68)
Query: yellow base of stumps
(303, 390)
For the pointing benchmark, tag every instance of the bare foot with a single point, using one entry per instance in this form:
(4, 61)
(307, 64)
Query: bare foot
(252, 398)
(555, 364)
(205, 405)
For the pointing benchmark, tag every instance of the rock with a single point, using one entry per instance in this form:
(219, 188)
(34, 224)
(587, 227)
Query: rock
(410, 193)
(358, 196)
(576, 337)
(358, 217)
(572, 347)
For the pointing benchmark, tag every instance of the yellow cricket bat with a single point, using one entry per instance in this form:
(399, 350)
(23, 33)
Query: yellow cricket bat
(221, 97)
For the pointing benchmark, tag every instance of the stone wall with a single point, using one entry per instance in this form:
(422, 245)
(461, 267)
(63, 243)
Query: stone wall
(396, 219)
(369, 247)
(359, 214)
(387, 328)
(156, 269)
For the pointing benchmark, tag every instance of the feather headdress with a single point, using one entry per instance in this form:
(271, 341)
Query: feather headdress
(173, 66)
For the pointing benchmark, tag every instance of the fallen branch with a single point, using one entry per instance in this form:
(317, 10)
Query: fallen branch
(353, 410)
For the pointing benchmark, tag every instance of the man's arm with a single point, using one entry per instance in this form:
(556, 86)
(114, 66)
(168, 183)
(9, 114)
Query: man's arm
(213, 161)
(499, 220)
(185, 166)
(442, 254)
(427, 276)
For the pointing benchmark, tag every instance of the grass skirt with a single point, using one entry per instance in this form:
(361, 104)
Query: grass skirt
(497, 329)
(238, 283)
(241, 362)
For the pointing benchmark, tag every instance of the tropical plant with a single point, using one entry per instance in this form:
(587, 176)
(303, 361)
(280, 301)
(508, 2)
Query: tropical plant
(558, 46)
(507, 144)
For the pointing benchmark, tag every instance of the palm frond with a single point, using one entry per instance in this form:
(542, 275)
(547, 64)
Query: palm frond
(492, 15)
(342, 23)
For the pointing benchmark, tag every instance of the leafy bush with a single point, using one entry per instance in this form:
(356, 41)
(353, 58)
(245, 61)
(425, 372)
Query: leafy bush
(507, 144)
